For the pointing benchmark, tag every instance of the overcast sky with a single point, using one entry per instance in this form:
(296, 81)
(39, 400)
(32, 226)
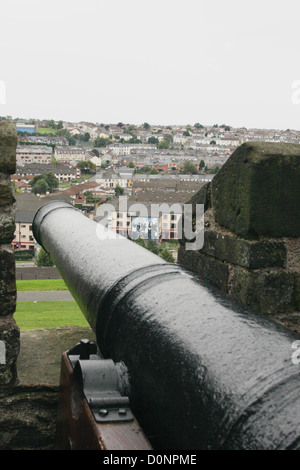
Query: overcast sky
(161, 61)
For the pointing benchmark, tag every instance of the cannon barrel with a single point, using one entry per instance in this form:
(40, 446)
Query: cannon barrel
(205, 372)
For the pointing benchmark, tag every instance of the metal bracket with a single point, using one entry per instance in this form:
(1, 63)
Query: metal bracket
(102, 382)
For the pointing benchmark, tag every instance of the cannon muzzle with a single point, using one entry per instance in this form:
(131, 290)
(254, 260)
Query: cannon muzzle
(205, 372)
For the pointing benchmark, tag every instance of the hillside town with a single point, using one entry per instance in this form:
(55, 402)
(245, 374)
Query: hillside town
(88, 164)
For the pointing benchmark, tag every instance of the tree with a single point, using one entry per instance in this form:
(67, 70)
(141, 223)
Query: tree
(146, 125)
(131, 165)
(152, 246)
(153, 140)
(140, 242)
(51, 180)
(95, 151)
(168, 138)
(101, 142)
(119, 191)
(166, 255)
(65, 133)
(134, 140)
(86, 166)
(189, 167)
(201, 165)
(163, 144)
(43, 183)
(40, 187)
(198, 126)
(186, 133)
(212, 142)
(86, 137)
(44, 259)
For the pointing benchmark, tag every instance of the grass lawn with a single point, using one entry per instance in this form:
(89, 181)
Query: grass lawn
(41, 284)
(31, 316)
(47, 130)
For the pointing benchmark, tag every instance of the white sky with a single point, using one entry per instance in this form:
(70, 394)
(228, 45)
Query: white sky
(160, 61)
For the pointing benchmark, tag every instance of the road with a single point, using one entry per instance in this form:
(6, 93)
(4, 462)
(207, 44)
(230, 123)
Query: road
(25, 265)
(44, 296)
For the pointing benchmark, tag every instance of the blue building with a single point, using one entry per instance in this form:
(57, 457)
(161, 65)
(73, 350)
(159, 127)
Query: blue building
(29, 128)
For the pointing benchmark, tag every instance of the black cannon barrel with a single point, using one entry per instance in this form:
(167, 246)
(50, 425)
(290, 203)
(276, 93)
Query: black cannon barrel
(205, 373)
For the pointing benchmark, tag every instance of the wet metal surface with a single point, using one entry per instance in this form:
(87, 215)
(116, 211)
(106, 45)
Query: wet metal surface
(205, 373)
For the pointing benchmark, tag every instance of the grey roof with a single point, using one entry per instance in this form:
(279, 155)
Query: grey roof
(28, 202)
(24, 217)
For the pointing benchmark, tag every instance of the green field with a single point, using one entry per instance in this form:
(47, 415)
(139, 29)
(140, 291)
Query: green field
(41, 284)
(47, 130)
(32, 316)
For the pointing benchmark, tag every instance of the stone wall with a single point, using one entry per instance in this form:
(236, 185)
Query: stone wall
(30, 371)
(251, 245)
(9, 332)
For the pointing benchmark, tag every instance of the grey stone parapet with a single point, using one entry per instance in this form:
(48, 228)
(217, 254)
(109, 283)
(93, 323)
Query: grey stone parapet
(257, 191)
(251, 247)
(9, 332)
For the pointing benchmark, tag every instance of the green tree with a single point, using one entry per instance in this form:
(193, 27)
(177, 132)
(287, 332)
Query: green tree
(119, 191)
(40, 187)
(166, 255)
(186, 133)
(131, 165)
(163, 144)
(146, 125)
(189, 167)
(201, 165)
(140, 242)
(86, 166)
(101, 142)
(134, 140)
(153, 140)
(44, 259)
(152, 246)
(65, 133)
(51, 180)
(168, 138)
(95, 151)
(198, 126)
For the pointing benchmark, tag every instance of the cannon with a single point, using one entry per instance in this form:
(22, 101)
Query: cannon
(203, 371)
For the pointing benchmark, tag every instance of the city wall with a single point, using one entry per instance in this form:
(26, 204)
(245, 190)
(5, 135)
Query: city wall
(251, 247)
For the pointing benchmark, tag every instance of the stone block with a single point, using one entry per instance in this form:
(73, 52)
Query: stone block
(246, 253)
(7, 281)
(257, 191)
(297, 290)
(7, 224)
(6, 190)
(265, 291)
(8, 145)
(205, 266)
(203, 196)
(10, 336)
